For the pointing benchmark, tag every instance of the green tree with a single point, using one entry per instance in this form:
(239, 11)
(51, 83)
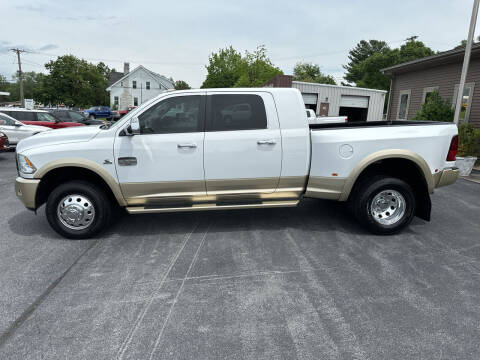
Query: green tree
(361, 52)
(228, 68)
(435, 109)
(256, 69)
(223, 69)
(181, 85)
(31, 83)
(468, 136)
(75, 82)
(366, 72)
(311, 73)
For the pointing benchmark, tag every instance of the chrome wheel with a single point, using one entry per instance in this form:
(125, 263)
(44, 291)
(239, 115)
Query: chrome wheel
(388, 207)
(76, 212)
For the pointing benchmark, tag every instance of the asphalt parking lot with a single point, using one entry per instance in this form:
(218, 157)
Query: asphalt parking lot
(294, 283)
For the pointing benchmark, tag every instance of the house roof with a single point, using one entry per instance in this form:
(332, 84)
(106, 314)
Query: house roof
(160, 78)
(442, 58)
(114, 77)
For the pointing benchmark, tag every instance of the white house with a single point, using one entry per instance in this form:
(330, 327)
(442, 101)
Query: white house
(132, 88)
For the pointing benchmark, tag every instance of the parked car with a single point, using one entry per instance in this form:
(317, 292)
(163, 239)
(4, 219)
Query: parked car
(4, 144)
(98, 112)
(74, 116)
(151, 162)
(125, 111)
(16, 130)
(37, 117)
(115, 115)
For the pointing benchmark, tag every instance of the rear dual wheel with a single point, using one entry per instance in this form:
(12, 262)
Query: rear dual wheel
(78, 210)
(384, 205)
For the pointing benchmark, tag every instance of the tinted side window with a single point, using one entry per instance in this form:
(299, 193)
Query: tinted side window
(181, 114)
(75, 116)
(9, 113)
(24, 115)
(6, 121)
(236, 112)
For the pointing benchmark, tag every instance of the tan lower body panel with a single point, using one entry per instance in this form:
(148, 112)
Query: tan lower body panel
(204, 207)
(325, 187)
(180, 193)
(446, 177)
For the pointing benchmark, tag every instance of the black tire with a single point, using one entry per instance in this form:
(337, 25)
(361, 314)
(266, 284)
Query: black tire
(365, 194)
(99, 200)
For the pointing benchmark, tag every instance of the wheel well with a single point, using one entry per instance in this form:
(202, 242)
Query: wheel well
(407, 171)
(61, 175)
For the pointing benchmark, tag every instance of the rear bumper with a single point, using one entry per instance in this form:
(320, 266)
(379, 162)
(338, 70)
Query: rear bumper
(26, 190)
(446, 177)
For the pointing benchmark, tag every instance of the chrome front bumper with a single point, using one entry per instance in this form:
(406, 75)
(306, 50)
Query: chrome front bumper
(26, 190)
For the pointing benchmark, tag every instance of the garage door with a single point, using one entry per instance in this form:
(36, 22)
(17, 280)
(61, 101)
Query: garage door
(310, 99)
(354, 101)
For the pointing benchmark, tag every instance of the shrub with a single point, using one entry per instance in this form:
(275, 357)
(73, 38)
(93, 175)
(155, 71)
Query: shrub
(468, 137)
(435, 109)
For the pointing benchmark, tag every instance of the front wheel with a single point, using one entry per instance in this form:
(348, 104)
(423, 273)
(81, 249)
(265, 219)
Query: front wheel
(384, 205)
(78, 210)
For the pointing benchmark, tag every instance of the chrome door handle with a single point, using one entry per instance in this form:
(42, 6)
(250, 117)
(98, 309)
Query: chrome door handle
(266, 142)
(187, 146)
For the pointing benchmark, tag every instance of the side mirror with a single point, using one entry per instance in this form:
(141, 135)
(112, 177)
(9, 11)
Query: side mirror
(133, 128)
(17, 124)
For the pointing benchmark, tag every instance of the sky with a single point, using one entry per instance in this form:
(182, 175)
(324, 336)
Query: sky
(175, 38)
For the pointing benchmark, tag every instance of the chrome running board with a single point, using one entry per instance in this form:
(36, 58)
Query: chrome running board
(203, 207)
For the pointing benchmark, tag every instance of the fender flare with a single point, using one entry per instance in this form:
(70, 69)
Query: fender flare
(85, 164)
(388, 154)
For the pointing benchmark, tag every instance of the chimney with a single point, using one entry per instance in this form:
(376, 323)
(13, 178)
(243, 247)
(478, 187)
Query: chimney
(126, 68)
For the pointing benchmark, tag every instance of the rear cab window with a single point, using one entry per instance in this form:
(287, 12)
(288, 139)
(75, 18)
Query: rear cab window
(230, 112)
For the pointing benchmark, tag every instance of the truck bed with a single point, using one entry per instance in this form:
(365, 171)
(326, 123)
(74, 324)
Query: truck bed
(349, 125)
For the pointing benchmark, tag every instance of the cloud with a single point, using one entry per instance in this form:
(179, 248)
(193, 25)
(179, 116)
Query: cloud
(38, 8)
(47, 47)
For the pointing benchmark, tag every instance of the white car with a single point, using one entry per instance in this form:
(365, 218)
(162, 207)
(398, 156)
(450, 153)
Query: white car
(151, 162)
(16, 130)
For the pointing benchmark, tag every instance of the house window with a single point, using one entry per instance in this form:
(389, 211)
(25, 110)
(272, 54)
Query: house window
(115, 100)
(147, 85)
(403, 104)
(135, 101)
(466, 101)
(134, 84)
(427, 92)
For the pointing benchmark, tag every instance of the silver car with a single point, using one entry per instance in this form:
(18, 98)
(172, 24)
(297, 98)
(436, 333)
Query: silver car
(16, 131)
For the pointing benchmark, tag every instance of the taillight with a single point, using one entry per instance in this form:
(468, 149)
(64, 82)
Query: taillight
(452, 152)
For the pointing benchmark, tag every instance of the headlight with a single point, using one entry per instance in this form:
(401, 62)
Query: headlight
(25, 165)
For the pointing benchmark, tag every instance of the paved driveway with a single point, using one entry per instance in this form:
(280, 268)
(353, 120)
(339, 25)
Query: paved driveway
(304, 283)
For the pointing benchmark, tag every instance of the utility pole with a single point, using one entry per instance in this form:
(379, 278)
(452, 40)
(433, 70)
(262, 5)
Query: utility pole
(466, 61)
(20, 74)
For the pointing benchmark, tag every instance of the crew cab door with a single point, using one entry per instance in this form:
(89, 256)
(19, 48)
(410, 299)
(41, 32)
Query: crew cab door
(164, 164)
(243, 150)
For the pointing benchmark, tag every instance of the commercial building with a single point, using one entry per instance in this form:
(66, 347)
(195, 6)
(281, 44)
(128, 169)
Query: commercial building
(332, 100)
(412, 82)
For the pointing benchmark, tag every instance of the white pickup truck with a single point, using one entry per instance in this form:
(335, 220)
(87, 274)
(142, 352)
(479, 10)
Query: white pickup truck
(189, 150)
